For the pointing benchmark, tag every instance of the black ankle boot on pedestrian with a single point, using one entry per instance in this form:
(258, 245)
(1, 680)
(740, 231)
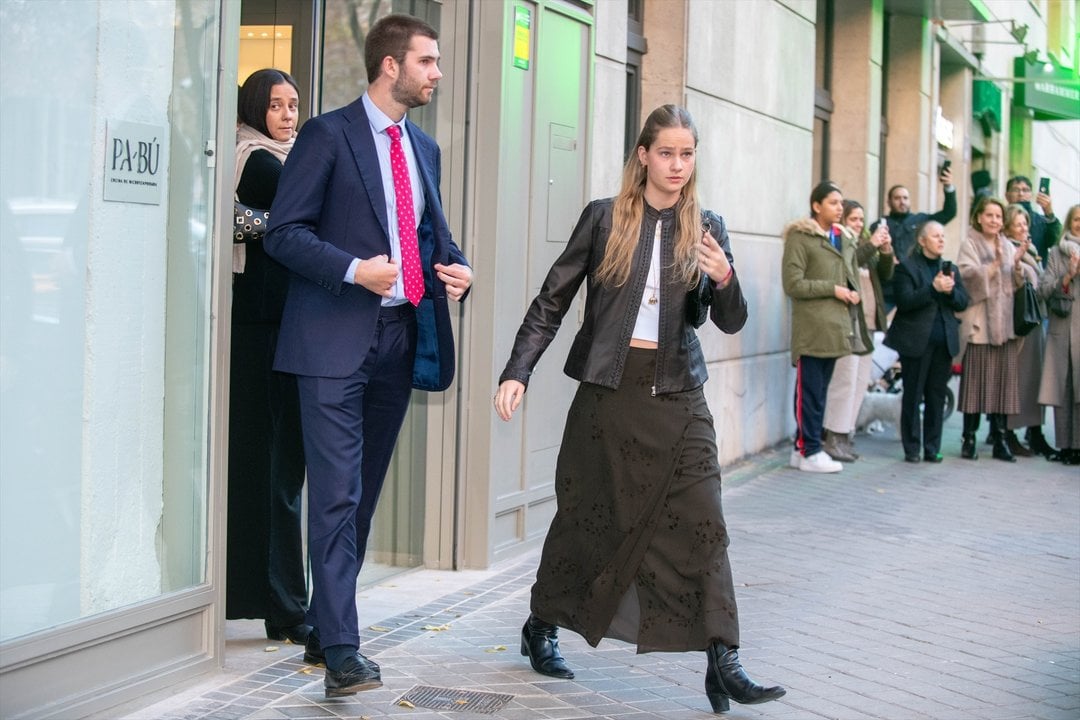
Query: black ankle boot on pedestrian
(725, 680)
(1001, 444)
(1037, 442)
(1015, 446)
(540, 643)
(968, 451)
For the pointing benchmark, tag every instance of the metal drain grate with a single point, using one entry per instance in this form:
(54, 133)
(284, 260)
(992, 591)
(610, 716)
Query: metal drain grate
(437, 698)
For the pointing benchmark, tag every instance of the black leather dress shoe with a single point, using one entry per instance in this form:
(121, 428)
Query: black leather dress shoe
(912, 458)
(933, 457)
(540, 643)
(296, 634)
(357, 674)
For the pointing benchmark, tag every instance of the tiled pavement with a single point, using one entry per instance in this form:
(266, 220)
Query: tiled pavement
(889, 591)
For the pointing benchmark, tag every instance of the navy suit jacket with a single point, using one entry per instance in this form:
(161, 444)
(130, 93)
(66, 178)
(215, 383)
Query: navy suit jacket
(918, 306)
(330, 208)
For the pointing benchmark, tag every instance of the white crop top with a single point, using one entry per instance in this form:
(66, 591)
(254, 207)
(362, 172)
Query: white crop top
(647, 326)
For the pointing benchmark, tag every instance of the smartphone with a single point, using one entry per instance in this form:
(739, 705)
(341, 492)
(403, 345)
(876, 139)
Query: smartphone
(946, 267)
(1044, 185)
(944, 166)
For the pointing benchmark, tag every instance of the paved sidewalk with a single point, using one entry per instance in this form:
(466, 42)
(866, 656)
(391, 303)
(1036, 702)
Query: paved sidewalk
(889, 591)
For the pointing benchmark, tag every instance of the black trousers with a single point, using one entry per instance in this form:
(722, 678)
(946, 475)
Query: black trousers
(265, 559)
(926, 379)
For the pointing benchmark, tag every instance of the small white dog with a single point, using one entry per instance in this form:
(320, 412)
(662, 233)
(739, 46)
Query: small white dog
(878, 410)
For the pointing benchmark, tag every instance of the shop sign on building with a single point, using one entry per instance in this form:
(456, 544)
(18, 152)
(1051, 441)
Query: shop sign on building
(134, 163)
(944, 130)
(1050, 92)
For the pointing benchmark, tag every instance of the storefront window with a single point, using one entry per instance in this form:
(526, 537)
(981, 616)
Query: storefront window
(105, 215)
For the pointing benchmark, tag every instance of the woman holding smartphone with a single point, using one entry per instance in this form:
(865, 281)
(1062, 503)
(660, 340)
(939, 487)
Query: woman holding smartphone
(924, 331)
(637, 549)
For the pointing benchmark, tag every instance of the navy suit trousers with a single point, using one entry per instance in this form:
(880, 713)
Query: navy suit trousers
(350, 428)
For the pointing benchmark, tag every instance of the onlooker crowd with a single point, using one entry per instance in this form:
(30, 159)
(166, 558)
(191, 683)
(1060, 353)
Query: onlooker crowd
(843, 280)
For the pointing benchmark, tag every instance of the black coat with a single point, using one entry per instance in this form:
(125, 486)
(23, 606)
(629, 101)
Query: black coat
(918, 306)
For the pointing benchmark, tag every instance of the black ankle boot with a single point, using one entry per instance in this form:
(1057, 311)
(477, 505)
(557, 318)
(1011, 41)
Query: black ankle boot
(1015, 446)
(968, 450)
(1001, 445)
(725, 680)
(1039, 446)
(540, 643)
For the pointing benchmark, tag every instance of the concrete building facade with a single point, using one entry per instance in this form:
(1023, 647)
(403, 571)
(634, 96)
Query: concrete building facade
(118, 122)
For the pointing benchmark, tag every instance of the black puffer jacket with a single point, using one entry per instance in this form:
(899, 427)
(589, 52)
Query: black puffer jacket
(599, 351)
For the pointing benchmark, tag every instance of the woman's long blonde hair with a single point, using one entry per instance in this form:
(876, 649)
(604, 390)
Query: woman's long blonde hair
(629, 207)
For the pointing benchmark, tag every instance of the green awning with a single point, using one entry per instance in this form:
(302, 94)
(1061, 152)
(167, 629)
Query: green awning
(986, 104)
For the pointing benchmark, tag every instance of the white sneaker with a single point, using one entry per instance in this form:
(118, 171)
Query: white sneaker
(796, 459)
(819, 462)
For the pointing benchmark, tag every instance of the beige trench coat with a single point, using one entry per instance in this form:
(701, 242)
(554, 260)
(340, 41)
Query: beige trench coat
(1063, 336)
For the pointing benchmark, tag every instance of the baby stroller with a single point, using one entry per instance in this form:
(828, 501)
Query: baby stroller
(886, 375)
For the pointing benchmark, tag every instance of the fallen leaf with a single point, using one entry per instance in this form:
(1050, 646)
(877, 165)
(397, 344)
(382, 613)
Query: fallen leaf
(406, 703)
(306, 671)
(461, 702)
(270, 648)
(497, 648)
(378, 628)
(436, 628)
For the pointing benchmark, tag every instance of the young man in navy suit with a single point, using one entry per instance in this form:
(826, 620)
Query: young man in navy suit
(359, 223)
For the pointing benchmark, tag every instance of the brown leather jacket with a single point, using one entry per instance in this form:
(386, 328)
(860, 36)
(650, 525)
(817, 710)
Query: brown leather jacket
(599, 350)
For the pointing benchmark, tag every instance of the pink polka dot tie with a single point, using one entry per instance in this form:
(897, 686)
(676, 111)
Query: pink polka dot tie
(412, 276)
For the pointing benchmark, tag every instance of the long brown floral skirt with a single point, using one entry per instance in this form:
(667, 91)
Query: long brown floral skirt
(637, 549)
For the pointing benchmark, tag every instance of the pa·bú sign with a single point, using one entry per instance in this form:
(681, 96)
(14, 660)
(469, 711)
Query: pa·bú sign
(134, 167)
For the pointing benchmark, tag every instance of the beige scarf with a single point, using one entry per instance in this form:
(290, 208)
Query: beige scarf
(248, 140)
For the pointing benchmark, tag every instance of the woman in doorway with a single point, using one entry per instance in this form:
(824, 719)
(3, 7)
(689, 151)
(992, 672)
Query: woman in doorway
(851, 374)
(266, 578)
(638, 547)
(991, 270)
(925, 332)
(822, 280)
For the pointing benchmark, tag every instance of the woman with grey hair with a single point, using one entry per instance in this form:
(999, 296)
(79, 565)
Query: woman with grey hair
(928, 293)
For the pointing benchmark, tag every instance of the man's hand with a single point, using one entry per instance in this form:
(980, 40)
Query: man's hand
(457, 278)
(946, 177)
(378, 274)
(1044, 202)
